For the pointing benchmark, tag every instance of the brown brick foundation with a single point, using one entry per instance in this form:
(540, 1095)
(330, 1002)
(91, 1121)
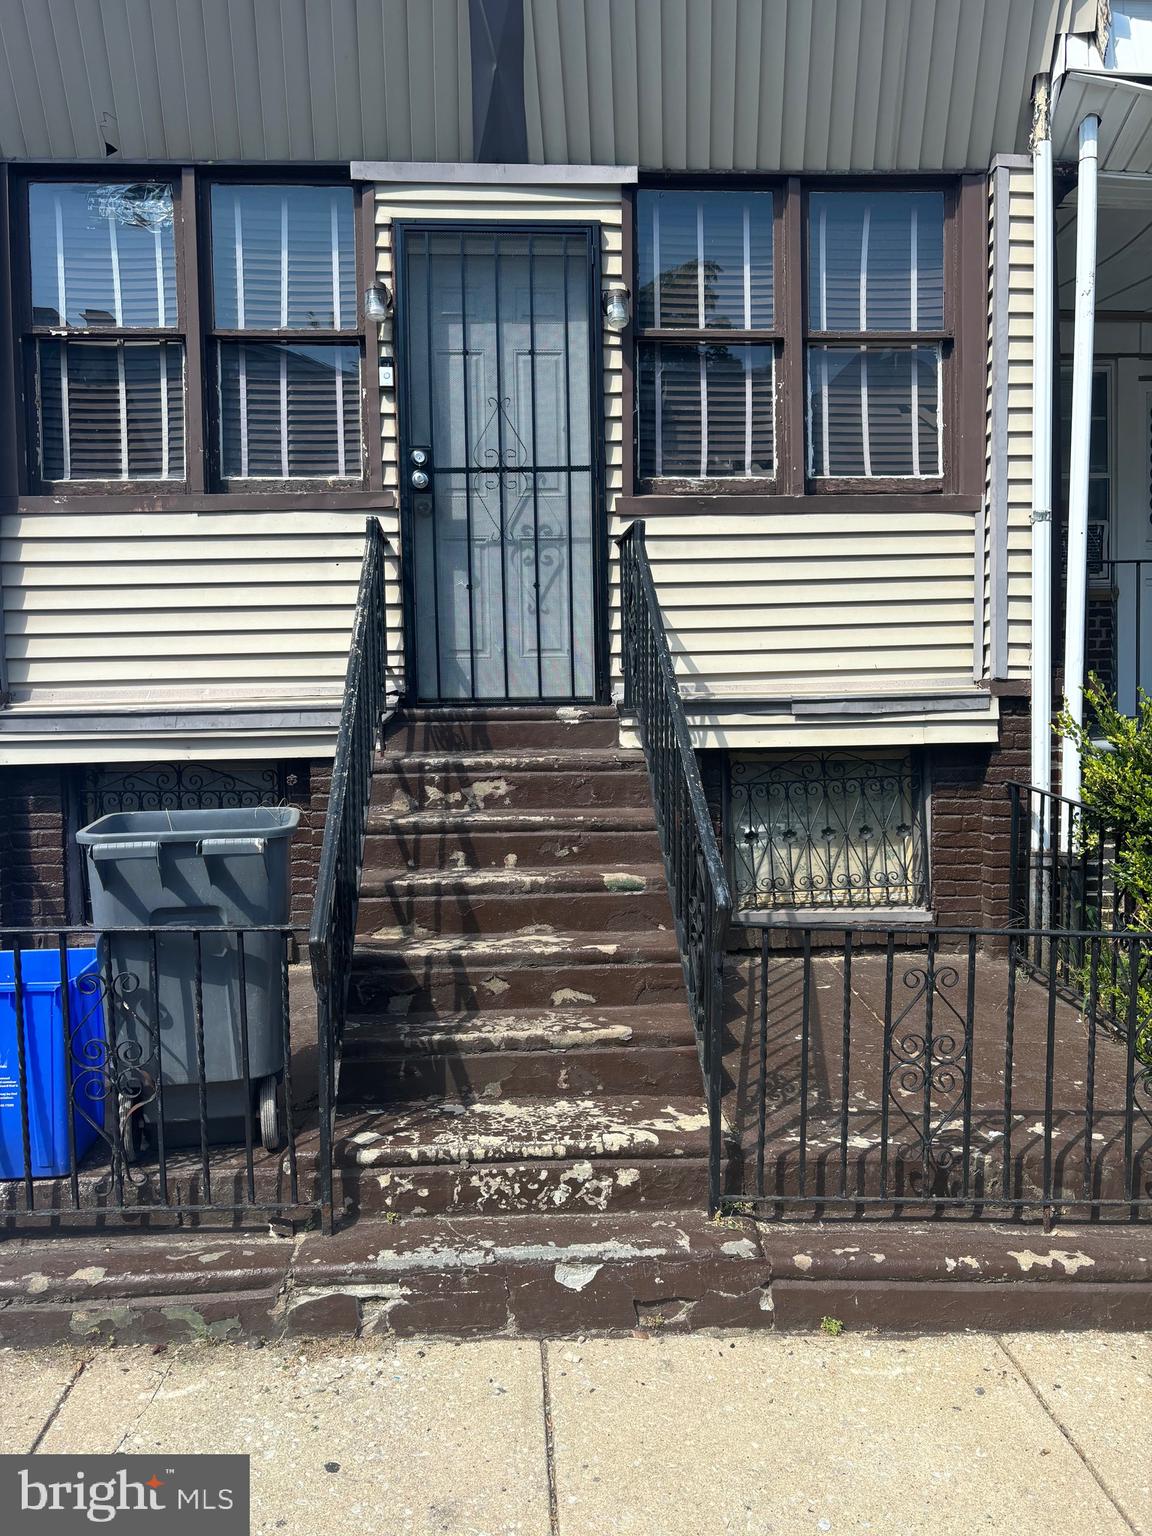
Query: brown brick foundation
(970, 822)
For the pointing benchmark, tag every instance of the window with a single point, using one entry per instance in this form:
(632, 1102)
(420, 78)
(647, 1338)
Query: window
(875, 272)
(283, 297)
(107, 358)
(827, 829)
(111, 307)
(706, 343)
(801, 337)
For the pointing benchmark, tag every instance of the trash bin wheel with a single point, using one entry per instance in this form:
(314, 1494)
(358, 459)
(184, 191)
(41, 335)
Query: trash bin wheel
(271, 1129)
(133, 1134)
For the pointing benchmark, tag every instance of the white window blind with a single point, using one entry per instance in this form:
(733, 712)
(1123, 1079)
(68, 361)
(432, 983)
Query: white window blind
(706, 410)
(705, 260)
(283, 258)
(110, 410)
(102, 254)
(284, 261)
(289, 410)
(875, 264)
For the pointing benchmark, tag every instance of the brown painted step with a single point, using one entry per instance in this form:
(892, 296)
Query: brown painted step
(502, 839)
(516, 970)
(597, 1129)
(526, 1052)
(478, 729)
(490, 782)
(503, 900)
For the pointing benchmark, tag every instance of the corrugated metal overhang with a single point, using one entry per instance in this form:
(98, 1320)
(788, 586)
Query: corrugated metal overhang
(332, 80)
(1124, 108)
(808, 85)
(803, 85)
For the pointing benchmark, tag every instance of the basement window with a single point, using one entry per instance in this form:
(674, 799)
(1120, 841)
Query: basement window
(827, 830)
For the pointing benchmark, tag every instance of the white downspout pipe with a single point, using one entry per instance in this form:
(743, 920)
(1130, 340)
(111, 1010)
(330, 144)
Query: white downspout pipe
(1043, 257)
(1082, 355)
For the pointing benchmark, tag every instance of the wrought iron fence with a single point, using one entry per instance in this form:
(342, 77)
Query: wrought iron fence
(1062, 876)
(147, 1070)
(332, 936)
(701, 903)
(874, 1070)
(828, 829)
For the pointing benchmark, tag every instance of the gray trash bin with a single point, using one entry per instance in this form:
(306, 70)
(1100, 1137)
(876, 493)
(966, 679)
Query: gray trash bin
(204, 870)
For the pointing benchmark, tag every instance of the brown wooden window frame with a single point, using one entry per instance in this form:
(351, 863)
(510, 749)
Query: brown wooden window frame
(962, 338)
(202, 484)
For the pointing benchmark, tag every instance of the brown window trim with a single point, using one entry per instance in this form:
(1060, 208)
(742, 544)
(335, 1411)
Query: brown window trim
(769, 336)
(201, 487)
(348, 335)
(30, 481)
(963, 342)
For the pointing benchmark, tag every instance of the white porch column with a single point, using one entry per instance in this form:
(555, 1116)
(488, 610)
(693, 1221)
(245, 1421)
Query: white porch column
(1043, 258)
(1077, 588)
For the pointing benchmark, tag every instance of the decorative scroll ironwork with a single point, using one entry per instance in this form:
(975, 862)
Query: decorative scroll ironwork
(697, 884)
(115, 1070)
(926, 1068)
(182, 787)
(826, 829)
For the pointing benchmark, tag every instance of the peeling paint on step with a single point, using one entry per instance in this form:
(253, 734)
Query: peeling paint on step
(496, 985)
(567, 995)
(572, 714)
(802, 1261)
(1069, 1261)
(510, 861)
(90, 1276)
(614, 882)
(575, 1277)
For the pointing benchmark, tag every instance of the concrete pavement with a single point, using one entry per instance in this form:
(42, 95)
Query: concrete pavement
(748, 1434)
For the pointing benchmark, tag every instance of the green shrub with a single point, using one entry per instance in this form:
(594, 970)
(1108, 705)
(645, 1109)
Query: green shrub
(1116, 791)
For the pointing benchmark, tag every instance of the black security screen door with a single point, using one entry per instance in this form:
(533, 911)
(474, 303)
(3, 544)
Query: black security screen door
(499, 463)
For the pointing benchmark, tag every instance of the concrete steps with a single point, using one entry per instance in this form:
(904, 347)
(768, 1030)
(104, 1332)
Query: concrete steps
(520, 1039)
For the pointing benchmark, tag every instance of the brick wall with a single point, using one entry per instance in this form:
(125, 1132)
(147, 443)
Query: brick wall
(31, 846)
(970, 822)
(308, 786)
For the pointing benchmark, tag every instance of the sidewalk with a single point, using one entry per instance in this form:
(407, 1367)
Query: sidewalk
(761, 1435)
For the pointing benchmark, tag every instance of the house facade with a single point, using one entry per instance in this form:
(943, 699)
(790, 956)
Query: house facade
(508, 276)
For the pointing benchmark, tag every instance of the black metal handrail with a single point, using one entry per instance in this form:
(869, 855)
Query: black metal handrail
(697, 884)
(1062, 876)
(332, 936)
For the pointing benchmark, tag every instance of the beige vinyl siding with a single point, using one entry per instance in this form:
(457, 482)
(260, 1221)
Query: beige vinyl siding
(124, 609)
(777, 606)
(1018, 489)
(504, 206)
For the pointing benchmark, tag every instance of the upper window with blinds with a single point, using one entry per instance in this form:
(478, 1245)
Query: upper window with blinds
(705, 312)
(283, 297)
(875, 334)
(106, 355)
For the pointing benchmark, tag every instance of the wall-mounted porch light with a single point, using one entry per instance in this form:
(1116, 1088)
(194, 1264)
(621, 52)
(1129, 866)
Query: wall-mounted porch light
(617, 306)
(377, 301)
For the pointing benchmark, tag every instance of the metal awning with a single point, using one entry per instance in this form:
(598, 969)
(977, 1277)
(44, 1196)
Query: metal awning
(709, 85)
(1124, 108)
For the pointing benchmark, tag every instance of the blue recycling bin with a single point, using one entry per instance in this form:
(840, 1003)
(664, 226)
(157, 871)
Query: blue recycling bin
(46, 1066)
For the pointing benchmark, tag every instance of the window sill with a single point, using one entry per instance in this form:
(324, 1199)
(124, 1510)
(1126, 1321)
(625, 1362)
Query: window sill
(146, 499)
(756, 503)
(834, 917)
